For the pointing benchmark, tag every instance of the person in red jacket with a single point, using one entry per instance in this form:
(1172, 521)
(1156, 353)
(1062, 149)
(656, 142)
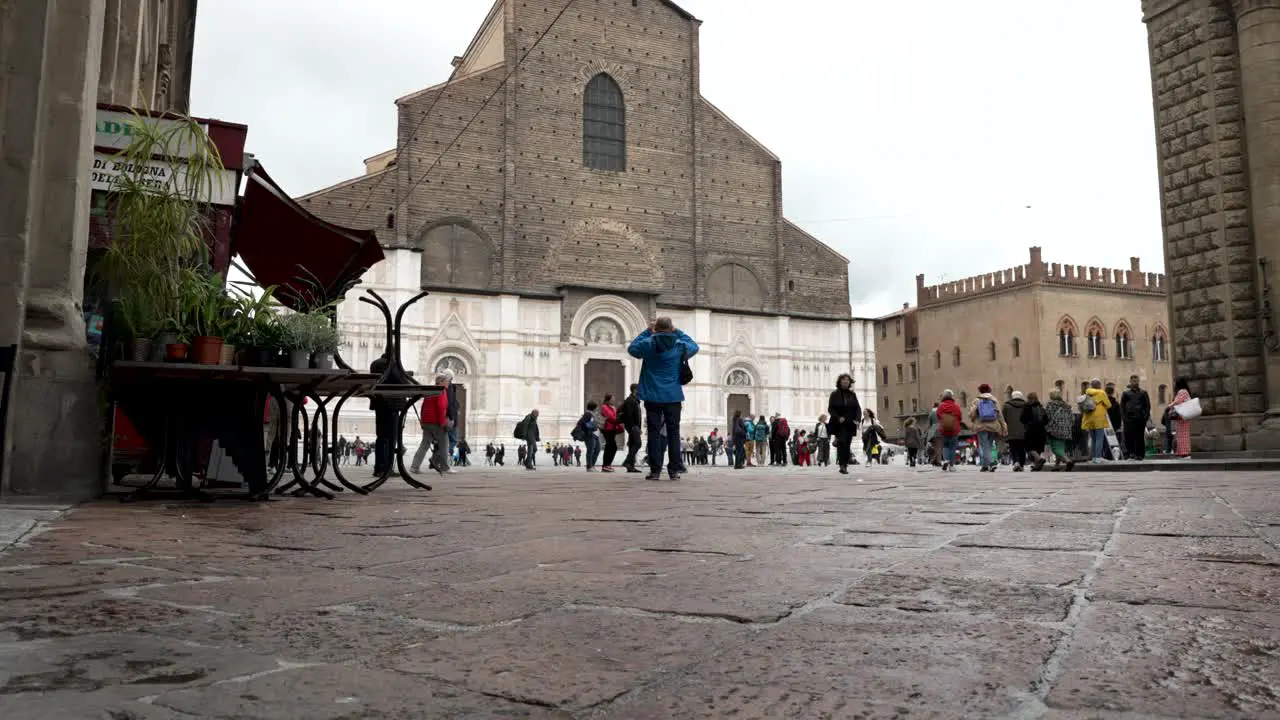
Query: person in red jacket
(435, 427)
(949, 424)
(612, 428)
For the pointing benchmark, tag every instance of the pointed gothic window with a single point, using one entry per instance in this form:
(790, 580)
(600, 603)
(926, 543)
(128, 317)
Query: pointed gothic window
(604, 125)
(1067, 337)
(1097, 347)
(1124, 341)
(1160, 345)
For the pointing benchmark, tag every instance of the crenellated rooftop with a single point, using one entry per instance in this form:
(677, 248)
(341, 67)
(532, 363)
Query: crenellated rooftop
(1037, 271)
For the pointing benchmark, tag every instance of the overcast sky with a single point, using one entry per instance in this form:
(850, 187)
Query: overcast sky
(913, 135)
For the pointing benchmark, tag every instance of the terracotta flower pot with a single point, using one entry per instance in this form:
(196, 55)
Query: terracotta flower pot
(206, 350)
(228, 355)
(175, 352)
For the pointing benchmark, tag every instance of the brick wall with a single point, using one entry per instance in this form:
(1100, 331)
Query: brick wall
(361, 204)
(643, 212)
(817, 276)
(1209, 252)
(517, 176)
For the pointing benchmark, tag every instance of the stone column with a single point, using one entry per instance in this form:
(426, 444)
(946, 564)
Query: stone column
(23, 46)
(1258, 36)
(57, 445)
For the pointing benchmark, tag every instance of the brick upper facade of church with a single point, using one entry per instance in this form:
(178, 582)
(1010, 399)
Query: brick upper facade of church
(694, 218)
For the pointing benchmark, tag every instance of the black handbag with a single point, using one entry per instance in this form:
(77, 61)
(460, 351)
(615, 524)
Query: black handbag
(686, 372)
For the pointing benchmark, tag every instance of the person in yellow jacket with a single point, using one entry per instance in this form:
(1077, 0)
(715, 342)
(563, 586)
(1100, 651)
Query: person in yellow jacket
(1094, 421)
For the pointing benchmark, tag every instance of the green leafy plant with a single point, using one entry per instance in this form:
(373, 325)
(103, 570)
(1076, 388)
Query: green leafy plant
(299, 332)
(160, 223)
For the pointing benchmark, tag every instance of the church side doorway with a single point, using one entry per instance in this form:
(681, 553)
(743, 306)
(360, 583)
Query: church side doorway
(736, 403)
(461, 392)
(602, 377)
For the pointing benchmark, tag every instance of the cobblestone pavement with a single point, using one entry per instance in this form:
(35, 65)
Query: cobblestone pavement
(797, 593)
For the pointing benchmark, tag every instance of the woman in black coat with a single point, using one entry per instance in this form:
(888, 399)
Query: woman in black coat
(846, 413)
(1035, 422)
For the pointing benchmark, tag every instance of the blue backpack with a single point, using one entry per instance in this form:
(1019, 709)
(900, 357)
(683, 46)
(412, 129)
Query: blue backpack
(987, 411)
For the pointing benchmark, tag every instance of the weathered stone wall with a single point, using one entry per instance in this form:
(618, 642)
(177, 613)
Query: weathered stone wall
(1209, 246)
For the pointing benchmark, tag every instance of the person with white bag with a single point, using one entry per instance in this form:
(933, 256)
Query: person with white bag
(1182, 411)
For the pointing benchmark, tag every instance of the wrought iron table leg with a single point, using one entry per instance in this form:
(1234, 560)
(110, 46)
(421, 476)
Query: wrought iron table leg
(337, 465)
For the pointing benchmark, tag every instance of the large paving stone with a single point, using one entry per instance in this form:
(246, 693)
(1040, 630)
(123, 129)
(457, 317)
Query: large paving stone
(1172, 662)
(1192, 516)
(133, 665)
(469, 604)
(569, 659)
(292, 592)
(1034, 567)
(343, 692)
(471, 565)
(80, 614)
(970, 667)
(710, 700)
(1190, 547)
(949, 595)
(1227, 585)
(19, 582)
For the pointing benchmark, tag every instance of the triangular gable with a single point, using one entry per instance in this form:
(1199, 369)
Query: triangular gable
(487, 48)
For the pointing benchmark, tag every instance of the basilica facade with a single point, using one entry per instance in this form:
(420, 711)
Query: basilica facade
(569, 183)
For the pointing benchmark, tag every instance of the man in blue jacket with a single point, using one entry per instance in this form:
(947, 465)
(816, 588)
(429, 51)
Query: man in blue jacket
(662, 348)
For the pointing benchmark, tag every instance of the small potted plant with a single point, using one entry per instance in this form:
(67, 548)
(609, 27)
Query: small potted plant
(141, 320)
(327, 341)
(204, 303)
(299, 339)
(177, 351)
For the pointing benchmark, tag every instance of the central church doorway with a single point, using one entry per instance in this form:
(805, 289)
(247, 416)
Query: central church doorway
(736, 403)
(602, 377)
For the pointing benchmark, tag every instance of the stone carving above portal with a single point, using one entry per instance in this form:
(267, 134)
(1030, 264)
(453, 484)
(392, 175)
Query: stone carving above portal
(739, 378)
(604, 331)
(451, 364)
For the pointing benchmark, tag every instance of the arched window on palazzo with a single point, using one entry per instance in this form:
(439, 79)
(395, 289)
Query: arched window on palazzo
(1124, 341)
(1097, 335)
(1067, 333)
(604, 125)
(1160, 345)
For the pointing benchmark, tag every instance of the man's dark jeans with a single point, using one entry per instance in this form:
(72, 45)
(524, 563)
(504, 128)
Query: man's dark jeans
(660, 416)
(383, 452)
(1135, 439)
(633, 446)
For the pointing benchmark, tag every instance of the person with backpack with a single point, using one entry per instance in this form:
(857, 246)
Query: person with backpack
(950, 423)
(665, 352)
(845, 412)
(1135, 411)
(1094, 405)
(587, 431)
(872, 435)
(778, 442)
(760, 434)
(1059, 424)
(1033, 423)
(610, 428)
(1017, 432)
(912, 440)
(986, 419)
(527, 430)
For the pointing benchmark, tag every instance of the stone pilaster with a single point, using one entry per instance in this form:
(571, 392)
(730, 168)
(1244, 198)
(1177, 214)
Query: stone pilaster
(57, 441)
(1205, 189)
(1258, 39)
(23, 46)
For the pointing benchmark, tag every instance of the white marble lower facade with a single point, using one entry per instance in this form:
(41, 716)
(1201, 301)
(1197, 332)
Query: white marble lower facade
(509, 354)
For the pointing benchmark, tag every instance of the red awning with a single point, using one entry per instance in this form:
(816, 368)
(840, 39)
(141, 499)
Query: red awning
(308, 260)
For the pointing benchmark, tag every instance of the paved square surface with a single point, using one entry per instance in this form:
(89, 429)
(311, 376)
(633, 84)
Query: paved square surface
(795, 593)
